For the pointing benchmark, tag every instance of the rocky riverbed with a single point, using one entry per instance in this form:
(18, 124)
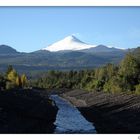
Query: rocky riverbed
(110, 113)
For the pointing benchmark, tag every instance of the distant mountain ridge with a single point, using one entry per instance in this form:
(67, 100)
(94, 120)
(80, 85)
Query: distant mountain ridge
(5, 49)
(102, 48)
(83, 57)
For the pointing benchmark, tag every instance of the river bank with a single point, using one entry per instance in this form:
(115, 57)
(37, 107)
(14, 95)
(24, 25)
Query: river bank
(110, 113)
(26, 111)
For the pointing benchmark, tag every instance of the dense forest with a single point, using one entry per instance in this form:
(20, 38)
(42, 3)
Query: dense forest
(110, 78)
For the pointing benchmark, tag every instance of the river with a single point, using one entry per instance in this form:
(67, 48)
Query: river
(69, 119)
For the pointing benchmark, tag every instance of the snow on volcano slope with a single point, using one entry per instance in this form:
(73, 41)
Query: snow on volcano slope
(68, 43)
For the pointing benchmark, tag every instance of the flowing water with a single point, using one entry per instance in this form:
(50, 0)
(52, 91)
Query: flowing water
(69, 119)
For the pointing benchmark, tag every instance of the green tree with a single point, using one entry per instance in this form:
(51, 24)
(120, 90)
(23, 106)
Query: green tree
(2, 82)
(113, 85)
(111, 71)
(136, 53)
(137, 90)
(129, 71)
(100, 74)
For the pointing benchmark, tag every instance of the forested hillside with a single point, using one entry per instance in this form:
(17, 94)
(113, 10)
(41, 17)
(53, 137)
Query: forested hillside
(110, 78)
(42, 60)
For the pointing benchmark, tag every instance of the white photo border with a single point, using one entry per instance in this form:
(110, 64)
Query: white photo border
(70, 3)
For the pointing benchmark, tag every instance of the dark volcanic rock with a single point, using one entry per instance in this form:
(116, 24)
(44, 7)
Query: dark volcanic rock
(26, 111)
(110, 113)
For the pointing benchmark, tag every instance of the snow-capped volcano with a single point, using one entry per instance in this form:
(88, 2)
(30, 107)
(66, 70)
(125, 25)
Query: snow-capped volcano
(68, 43)
(71, 43)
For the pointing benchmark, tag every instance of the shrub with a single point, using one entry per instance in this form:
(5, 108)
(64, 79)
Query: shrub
(137, 90)
(10, 85)
(112, 86)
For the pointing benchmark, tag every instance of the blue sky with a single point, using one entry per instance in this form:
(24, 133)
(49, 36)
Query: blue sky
(31, 28)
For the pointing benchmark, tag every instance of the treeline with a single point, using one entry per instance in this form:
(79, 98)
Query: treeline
(124, 77)
(11, 79)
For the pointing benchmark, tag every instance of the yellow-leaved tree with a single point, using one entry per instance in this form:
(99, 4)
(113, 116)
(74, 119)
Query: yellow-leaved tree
(12, 77)
(23, 80)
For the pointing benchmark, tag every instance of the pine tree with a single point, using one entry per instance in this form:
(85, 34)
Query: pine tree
(9, 69)
(23, 80)
(12, 75)
(18, 81)
(2, 82)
